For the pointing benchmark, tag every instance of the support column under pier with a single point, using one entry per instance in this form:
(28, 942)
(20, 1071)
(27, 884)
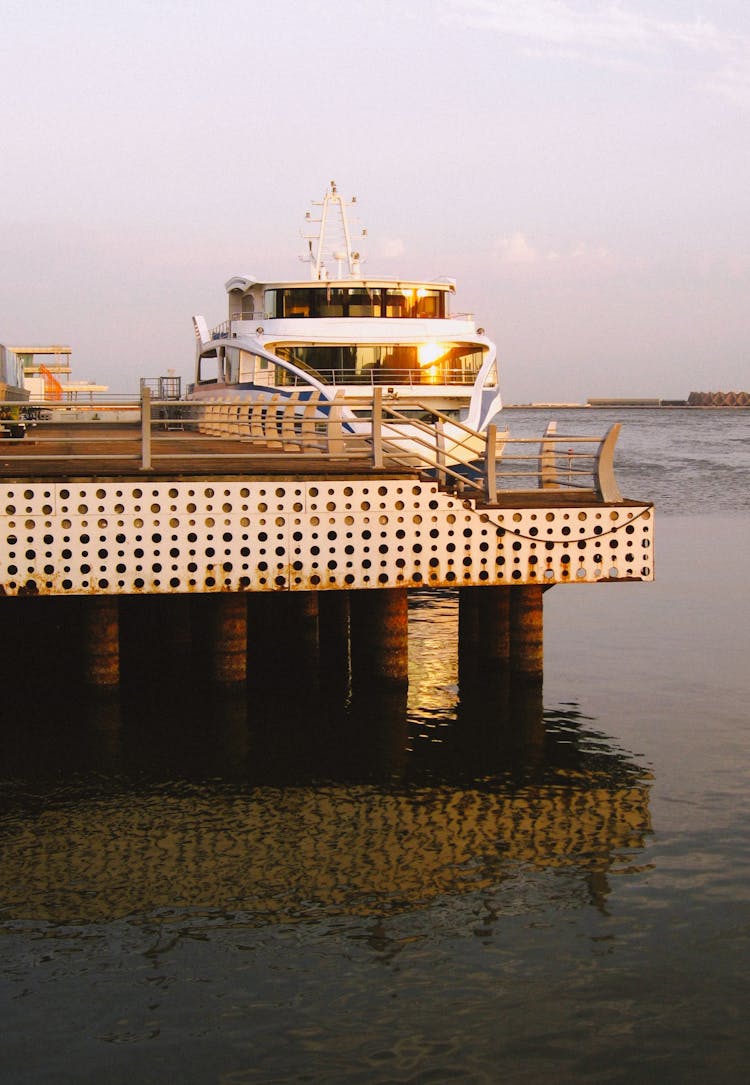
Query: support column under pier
(483, 632)
(501, 631)
(333, 633)
(101, 641)
(493, 606)
(483, 660)
(379, 626)
(304, 607)
(156, 637)
(527, 631)
(227, 637)
(283, 640)
(468, 625)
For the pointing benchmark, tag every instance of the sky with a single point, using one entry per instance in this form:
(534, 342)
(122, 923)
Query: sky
(581, 167)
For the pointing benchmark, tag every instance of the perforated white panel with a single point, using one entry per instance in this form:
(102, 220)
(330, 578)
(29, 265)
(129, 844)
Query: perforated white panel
(126, 537)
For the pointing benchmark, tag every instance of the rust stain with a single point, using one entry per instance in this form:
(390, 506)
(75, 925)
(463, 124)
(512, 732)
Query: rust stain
(53, 586)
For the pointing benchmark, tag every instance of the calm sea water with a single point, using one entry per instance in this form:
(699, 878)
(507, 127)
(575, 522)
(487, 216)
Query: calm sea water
(479, 889)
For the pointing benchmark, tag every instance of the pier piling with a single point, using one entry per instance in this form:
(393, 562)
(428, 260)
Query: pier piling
(333, 635)
(493, 605)
(227, 634)
(527, 631)
(379, 636)
(101, 641)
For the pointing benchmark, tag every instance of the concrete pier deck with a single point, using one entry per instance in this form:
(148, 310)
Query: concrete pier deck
(214, 514)
(106, 510)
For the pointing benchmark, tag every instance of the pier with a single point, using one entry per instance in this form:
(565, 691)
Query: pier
(251, 525)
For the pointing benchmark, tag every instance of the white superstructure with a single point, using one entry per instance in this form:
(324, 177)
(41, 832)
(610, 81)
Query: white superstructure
(340, 331)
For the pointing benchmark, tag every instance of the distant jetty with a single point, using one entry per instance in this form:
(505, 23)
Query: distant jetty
(695, 399)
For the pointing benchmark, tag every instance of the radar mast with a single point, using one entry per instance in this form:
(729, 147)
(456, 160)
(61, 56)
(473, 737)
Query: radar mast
(333, 239)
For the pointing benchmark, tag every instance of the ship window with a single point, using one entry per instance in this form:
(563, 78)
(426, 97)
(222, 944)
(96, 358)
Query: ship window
(208, 368)
(380, 363)
(328, 300)
(420, 303)
(430, 304)
(290, 303)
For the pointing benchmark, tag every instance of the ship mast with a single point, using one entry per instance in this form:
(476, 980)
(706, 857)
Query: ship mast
(333, 239)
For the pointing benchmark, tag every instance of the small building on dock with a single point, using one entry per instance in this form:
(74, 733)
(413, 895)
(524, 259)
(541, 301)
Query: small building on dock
(46, 372)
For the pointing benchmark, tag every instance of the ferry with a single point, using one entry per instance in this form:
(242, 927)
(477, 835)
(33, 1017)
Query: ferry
(341, 333)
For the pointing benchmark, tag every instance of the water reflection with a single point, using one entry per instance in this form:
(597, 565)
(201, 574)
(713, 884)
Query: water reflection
(171, 796)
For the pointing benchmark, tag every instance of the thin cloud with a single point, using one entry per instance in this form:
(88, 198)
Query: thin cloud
(391, 248)
(605, 32)
(732, 83)
(518, 252)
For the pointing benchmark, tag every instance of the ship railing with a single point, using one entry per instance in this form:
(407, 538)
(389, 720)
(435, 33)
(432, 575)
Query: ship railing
(370, 432)
(379, 376)
(221, 331)
(418, 378)
(225, 327)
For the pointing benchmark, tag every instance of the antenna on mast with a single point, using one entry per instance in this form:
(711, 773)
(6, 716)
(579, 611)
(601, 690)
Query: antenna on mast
(333, 239)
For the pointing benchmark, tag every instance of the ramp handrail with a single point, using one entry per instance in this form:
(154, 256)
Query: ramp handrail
(370, 430)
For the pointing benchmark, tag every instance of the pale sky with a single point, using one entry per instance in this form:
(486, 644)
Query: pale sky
(581, 167)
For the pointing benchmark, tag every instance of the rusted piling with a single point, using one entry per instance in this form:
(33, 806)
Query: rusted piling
(527, 631)
(227, 638)
(101, 641)
(156, 635)
(304, 608)
(282, 640)
(468, 622)
(379, 636)
(493, 606)
(333, 639)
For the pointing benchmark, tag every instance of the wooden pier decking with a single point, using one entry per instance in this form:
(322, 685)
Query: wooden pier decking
(113, 451)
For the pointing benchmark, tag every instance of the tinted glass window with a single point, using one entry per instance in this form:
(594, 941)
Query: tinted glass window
(425, 363)
(329, 300)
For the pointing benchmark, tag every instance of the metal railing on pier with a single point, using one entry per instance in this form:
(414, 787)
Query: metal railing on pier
(370, 432)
